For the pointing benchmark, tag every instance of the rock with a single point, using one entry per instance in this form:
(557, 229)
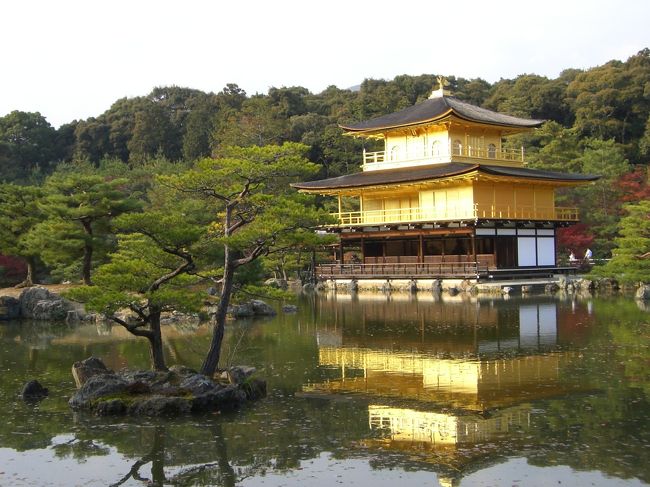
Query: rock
(643, 293)
(386, 287)
(562, 282)
(260, 308)
(198, 384)
(321, 287)
(224, 399)
(84, 370)
(212, 291)
(413, 286)
(160, 406)
(254, 389)
(240, 374)
(277, 283)
(176, 318)
(9, 308)
(584, 284)
(112, 407)
(308, 287)
(289, 308)
(551, 288)
(182, 370)
(96, 387)
(353, 286)
(526, 289)
(33, 391)
(506, 290)
(607, 283)
(452, 290)
(436, 286)
(169, 393)
(37, 303)
(241, 310)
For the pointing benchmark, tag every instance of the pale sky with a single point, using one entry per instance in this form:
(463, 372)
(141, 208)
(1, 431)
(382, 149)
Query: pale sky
(71, 59)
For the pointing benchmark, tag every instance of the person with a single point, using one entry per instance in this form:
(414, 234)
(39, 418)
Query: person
(572, 257)
(588, 255)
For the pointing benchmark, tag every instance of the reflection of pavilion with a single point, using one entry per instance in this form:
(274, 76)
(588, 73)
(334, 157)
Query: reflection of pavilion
(453, 383)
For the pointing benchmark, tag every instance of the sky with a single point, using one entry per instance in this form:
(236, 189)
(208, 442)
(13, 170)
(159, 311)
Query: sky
(71, 59)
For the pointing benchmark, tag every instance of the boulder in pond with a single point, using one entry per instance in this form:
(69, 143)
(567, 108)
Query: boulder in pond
(85, 369)
(289, 308)
(95, 388)
(33, 391)
(260, 308)
(153, 393)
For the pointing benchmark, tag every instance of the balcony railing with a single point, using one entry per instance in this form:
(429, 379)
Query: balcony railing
(379, 159)
(422, 270)
(474, 212)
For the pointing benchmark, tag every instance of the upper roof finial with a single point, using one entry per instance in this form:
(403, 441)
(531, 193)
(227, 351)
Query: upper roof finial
(440, 92)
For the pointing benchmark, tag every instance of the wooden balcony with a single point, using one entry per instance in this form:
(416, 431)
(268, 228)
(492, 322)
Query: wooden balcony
(386, 159)
(467, 213)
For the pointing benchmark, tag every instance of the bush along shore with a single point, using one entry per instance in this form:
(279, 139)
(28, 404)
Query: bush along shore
(178, 391)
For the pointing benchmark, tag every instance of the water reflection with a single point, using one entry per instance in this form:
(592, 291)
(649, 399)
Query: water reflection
(365, 389)
(453, 381)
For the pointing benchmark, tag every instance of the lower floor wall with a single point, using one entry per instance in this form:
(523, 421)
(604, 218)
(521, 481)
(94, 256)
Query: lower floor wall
(490, 247)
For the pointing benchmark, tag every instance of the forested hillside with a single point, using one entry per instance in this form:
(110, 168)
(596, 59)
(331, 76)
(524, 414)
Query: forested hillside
(598, 122)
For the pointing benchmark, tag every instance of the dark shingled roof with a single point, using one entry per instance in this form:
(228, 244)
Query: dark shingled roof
(436, 108)
(436, 171)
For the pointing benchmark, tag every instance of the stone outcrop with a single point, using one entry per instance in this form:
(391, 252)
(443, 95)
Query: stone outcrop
(84, 370)
(642, 292)
(33, 391)
(37, 303)
(180, 390)
(255, 307)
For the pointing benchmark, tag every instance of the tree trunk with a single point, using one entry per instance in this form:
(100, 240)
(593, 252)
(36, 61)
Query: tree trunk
(29, 278)
(88, 253)
(155, 341)
(214, 354)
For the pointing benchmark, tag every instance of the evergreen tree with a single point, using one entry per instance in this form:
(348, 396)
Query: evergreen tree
(150, 273)
(19, 213)
(631, 257)
(256, 212)
(80, 208)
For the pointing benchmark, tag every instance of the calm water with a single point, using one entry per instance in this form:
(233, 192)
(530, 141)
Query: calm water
(363, 391)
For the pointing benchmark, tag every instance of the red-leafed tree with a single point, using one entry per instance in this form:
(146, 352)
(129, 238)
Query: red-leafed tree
(576, 238)
(633, 186)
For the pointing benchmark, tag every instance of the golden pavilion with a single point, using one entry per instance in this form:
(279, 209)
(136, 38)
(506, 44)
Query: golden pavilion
(445, 198)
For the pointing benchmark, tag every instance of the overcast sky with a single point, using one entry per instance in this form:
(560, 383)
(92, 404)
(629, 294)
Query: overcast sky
(71, 59)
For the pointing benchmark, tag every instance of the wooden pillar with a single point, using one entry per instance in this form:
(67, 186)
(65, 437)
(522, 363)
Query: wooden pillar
(363, 251)
(421, 249)
(474, 250)
(341, 251)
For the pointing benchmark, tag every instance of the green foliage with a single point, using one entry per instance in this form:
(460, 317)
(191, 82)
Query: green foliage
(79, 209)
(627, 264)
(27, 144)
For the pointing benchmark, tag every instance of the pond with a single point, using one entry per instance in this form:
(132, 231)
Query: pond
(363, 390)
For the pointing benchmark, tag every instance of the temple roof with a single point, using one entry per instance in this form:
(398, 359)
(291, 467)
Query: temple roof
(437, 171)
(435, 109)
